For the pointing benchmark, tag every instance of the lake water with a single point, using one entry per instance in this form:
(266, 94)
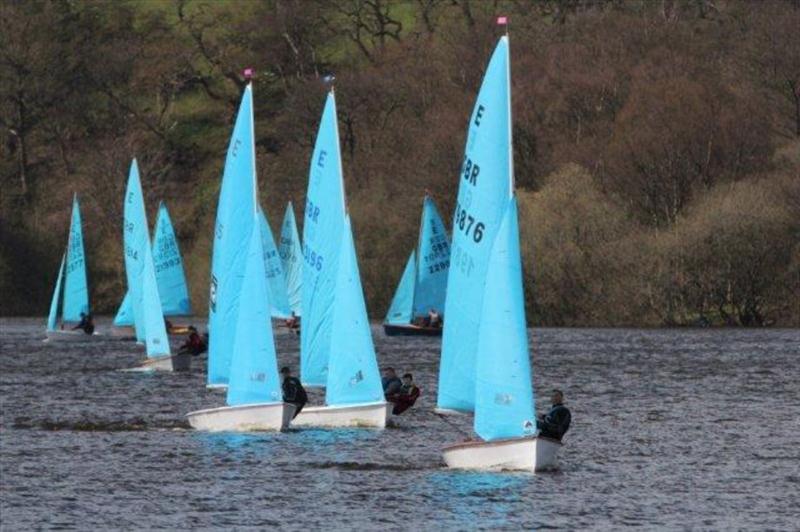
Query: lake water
(672, 429)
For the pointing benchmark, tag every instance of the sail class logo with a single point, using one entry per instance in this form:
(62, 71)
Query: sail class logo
(355, 379)
(258, 377)
(528, 427)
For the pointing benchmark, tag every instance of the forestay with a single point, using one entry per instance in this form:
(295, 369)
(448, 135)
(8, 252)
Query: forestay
(235, 219)
(400, 311)
(322, 236)
(254, 367)
(504, 394)
(353, 375)
(276, 281)
(291, 256)
(484, 190)
(76, 290)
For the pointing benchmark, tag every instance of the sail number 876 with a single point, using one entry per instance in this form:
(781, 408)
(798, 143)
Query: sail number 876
(466, 222)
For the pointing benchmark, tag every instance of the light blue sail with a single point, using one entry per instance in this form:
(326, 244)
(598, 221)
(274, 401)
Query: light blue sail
(156, 340)
(276, 280)
(52, 317)
(400, 311)
(254, 367)
(504, 406)
(237, 203)
(433, 252)
(136, 241)
(353, 375)
(76, 290)
(124, 317)
(291, 259)
(322, 237)
(171, 278)
(484, 190)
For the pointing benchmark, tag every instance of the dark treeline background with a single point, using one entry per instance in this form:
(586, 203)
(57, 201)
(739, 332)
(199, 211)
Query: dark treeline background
(657, 143)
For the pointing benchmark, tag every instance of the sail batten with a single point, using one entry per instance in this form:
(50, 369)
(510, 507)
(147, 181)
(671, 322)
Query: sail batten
(236, 212)
(484, 191)
(322, 236)
(291, 256)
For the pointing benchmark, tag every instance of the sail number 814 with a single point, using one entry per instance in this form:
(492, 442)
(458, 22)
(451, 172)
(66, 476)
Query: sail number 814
(466, 222)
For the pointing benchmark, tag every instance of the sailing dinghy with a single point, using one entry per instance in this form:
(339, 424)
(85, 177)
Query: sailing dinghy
(423, 285)
(254, 395)
(291, 258)
(75, 296)
(142, 284)
(336, 344)
(171, 278)
(485, 364)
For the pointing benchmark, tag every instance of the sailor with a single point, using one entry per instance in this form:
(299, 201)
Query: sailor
(406, 397)
(293, 391)
(434, 319)
(391, 383)
(194, 344)
(556, 422)
(86, 323)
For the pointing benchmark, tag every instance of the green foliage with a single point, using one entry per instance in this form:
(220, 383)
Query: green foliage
(655, 148)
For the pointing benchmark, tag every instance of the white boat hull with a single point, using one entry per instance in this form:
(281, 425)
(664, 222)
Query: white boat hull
(122, 332)
(370, 415)
(167, 363)
(243, 418)
(76, 336)
(513, 454)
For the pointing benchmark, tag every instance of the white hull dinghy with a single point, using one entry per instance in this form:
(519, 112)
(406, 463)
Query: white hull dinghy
(243, 418)
(180, 362)
(512, 454)
(77, 336)
(371, 415)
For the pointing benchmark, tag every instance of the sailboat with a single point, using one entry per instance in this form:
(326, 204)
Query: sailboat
(254, 397)
(485, 338)
(336, 344)
(273, 268)
(423, 285)
(171, 278)
(232, 233)
(291, 258)
(142, 284)
(75, 296)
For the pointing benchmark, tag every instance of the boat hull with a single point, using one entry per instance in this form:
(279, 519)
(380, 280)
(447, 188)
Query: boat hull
(72, 336)
(180, 362)
(396, 329)
(123, 332)
(367, 415)
(513, 454)
(243, 418)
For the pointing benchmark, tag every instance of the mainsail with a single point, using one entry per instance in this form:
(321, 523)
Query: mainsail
(235, 220)
(322, 237)
(291, 258)
(484, 191)
(433, 261)
(76, 290)
(136, 241)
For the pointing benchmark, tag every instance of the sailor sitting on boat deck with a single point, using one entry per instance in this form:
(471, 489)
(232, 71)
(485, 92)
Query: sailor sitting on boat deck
(406, 397)
(86, 323)
(292, 322)
(434, 319)
(194, 344)
(391, 382)
(556, 422)
(293, 391)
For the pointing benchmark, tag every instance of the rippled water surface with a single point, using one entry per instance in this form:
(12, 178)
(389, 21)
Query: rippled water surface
(671, 429)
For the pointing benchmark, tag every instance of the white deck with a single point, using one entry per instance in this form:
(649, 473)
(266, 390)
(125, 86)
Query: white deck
(369, 415)
(513, 454)
(243, 418)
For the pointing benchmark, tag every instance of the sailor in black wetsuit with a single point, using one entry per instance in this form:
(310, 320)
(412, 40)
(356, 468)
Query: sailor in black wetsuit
(556, 422)
(293, 391)
(86, 324)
